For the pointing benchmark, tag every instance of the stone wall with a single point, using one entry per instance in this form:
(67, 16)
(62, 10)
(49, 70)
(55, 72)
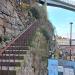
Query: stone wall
(10, 24)
(9, 17)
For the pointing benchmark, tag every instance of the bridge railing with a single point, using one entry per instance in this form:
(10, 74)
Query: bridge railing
(68, 1)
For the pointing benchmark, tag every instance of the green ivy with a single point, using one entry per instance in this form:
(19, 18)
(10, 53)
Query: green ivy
(35, 13)
(45, 33)
(5, 38)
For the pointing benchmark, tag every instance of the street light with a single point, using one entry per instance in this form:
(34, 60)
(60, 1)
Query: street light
(70, 37)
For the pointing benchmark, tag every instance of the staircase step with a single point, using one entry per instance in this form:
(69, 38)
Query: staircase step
(15, 52)
(12, 57)
(9, 67)
(7, 72)
(10, 60)
(18, 48)
(20, 44)
(15, 64)
(25, 44)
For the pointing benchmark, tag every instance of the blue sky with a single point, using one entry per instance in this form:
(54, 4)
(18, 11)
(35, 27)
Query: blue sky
(61, 19)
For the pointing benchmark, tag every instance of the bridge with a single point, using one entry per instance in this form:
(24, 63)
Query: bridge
(66, 4)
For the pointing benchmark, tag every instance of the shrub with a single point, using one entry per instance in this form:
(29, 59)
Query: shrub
(5, 38)
(35, 13)
(45, 33)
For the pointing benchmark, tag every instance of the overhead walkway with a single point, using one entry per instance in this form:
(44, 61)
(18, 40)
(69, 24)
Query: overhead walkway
(66, 4)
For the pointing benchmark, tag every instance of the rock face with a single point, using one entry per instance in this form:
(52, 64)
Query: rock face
(40, 53)
(9, 18)
(12, 21)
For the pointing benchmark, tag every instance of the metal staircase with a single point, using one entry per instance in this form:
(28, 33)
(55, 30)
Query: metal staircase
(12, 57)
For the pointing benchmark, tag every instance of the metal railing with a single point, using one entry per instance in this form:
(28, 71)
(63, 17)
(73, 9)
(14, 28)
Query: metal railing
(16, 46)
(72, 2)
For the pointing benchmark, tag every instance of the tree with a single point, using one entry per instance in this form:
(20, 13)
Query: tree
(35, 13)
(38, 11)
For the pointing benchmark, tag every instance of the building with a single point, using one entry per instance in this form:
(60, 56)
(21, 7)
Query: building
(61, 67)
(64, 47)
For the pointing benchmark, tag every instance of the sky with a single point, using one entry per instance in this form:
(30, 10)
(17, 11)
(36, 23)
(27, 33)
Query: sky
(61, 18)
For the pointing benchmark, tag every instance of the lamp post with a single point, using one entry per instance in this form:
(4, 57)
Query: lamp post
(70, 37)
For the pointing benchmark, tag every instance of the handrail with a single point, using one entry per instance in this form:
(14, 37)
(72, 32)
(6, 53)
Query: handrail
(64, 3)
(61, 4)
(2, 50)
